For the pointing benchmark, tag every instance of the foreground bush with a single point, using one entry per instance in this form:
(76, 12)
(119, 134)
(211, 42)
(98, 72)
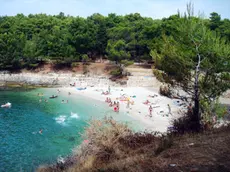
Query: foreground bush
(127, 62)
(165, 91)
(110, 144)
(112, 147)
(116, 72)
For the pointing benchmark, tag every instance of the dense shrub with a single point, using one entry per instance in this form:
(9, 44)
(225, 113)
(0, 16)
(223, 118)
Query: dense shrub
(85, 59)
(116, 72)
(165, 90)
(158, 74)
(110, 146)
(33, 65)
(187, 123)
(74, 64)
(127, 62)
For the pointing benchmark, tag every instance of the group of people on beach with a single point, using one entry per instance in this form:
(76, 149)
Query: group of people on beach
(114, 104)
(147, 102)
(151, 110)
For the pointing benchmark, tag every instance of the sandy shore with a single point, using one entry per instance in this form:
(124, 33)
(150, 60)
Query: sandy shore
(161, 117)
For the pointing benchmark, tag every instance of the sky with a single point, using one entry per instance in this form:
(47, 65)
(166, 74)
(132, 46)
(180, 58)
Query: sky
(156, 9)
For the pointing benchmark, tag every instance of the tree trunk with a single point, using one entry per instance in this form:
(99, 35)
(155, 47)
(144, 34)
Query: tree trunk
(101, 59)
(196, 110)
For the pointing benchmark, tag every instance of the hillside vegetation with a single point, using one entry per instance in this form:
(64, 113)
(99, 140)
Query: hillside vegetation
(110, 146)
(27, 41)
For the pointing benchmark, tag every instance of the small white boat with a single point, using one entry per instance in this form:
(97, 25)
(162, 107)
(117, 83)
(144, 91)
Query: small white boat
(7, 105)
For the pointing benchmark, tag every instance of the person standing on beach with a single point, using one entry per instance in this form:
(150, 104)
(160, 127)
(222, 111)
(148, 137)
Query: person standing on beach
(190, 108)
(170, 111)
(109, 89)
(118, 106)
(150, 111)
(128, 103)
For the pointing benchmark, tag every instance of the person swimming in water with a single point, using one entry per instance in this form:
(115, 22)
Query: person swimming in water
(40, 132)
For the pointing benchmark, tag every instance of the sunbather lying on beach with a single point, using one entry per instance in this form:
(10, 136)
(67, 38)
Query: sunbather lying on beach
(153, 96)
(146, 102)
(123, 98)
(105, 93)
(73, 85)
(108, 100)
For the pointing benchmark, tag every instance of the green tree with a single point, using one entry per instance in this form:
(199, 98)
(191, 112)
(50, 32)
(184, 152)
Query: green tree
(66, 38)
(117, 51)
(215, 21)
(30, 51)
(198, 60)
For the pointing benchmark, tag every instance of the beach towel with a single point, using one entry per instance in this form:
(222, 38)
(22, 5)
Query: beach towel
(81, 88)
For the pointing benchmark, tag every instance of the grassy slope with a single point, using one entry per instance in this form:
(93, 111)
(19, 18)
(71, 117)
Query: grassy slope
(112, 147)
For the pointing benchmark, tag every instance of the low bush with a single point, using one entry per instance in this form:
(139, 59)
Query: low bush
(74, 64)
(187, 123)
(109, 141)
(111, 146)
(158, 74)
(34, 65)
(165, 90)
(85, 59)
(116, 72)
(162, 77)
(127, 62)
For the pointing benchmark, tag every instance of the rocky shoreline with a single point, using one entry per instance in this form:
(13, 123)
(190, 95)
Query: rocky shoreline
(49, 80)
(63, 80)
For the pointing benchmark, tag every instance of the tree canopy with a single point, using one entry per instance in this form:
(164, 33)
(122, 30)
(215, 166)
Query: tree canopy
(28, 40)
(196, 56)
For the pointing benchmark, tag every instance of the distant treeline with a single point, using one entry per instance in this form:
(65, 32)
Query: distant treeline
(26, 41)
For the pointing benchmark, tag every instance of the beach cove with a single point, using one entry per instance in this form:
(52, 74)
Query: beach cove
(24, 147)
(39, 132)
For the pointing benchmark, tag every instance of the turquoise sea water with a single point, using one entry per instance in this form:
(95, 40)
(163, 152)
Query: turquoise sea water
(23, 148)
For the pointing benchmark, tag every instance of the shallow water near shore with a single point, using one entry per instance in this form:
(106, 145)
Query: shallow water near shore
(23, 148)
